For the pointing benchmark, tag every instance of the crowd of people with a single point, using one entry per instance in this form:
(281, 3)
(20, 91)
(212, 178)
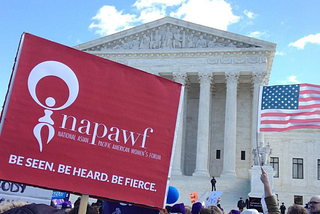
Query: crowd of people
(19, 207)
(270, 202)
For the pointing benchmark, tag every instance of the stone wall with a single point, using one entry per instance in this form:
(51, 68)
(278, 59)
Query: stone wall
(287, 145)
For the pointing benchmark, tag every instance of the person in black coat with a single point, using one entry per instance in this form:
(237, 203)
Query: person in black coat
(213, 184)
(283, 208)
(241, 204)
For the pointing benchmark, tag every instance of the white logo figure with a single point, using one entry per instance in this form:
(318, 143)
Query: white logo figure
(56, 69)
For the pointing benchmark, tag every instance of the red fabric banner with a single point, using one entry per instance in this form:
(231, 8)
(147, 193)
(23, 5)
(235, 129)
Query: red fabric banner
(80, 123)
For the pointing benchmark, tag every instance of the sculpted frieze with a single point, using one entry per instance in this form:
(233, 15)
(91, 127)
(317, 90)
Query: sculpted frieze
(214, 61)
(240, 60)
(169, 37)
(253, 60)
(236, 60)
(226, 60)
(168, 62)
(187, 61)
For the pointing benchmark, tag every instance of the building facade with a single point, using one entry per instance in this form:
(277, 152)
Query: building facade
(222, 73)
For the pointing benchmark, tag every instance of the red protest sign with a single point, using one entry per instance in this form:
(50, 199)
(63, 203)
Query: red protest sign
(194, 197)
(80, 123)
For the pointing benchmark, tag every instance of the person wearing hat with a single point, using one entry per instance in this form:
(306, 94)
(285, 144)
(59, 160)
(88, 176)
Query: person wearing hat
(196, 207)
(234, 212)
(178, 208)
(241, 204)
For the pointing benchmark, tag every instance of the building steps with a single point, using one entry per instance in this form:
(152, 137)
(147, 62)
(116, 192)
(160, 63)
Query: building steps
(232, 188)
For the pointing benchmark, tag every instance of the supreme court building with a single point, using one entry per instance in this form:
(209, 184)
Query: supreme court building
(222, 73)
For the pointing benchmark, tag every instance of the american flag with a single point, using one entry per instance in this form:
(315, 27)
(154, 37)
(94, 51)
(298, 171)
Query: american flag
(286, 107)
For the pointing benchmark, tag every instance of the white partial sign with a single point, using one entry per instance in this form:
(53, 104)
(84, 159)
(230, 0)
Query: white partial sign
(10, 191)
(213, 198)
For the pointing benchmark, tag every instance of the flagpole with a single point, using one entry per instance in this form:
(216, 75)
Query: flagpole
(83, 204)
(259, 158)
(258, 124)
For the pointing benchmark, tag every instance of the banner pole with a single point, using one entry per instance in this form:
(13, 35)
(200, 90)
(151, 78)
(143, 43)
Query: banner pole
(83, 204)
(12, 78)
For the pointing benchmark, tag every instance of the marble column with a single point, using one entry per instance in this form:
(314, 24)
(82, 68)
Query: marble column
(230, 129)
(203, 125)
(258, 79)
(177, 158)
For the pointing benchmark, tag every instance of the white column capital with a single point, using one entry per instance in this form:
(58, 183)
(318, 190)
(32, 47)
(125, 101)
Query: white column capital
(180, 77)
(205, 77)
(232, 76)
(259, 77)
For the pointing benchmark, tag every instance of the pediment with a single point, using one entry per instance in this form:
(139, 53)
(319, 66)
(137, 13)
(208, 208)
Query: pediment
(173, 34)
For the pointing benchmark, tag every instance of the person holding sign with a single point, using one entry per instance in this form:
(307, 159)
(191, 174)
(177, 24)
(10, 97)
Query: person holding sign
(271, 201)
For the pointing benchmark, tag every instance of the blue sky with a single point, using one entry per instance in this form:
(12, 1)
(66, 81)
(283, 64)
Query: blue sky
(292, 24)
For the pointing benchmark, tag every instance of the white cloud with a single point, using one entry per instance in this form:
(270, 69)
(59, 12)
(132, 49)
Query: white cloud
(300, 43)
(213, 13)
(258, 34)
(151, 14)
(156, 9)
(245, 24)
(280, 53)
(291, 80)
(110, 20)
(141, 4)
(249, 14)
